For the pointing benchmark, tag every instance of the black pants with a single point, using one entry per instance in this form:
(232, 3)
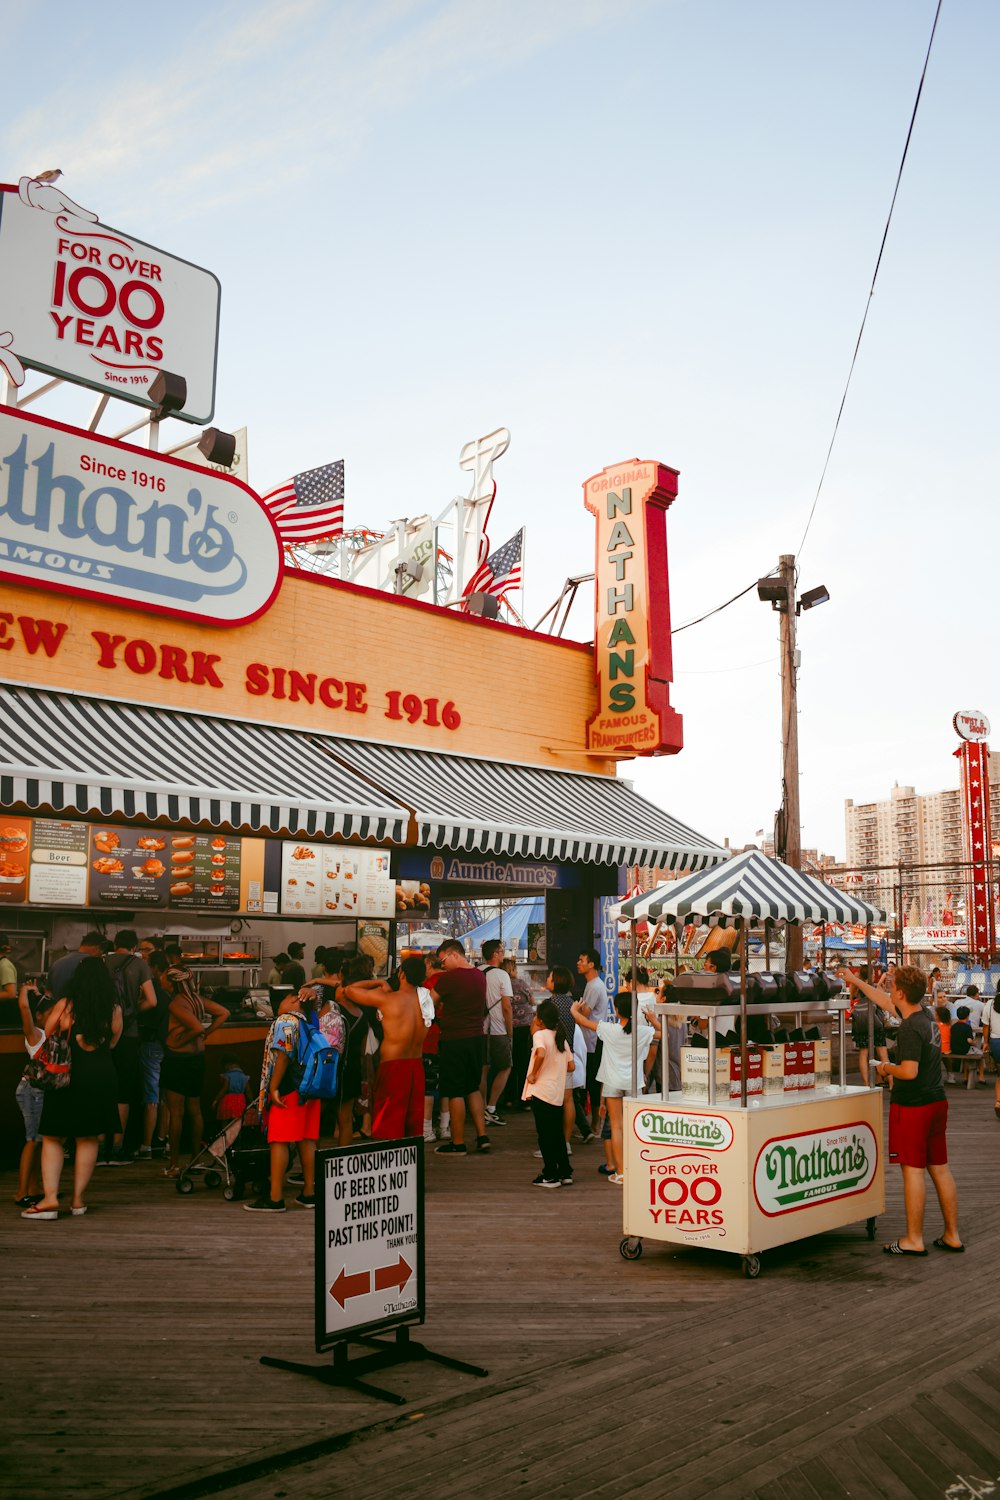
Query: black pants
(521, 1049)
(551, 1140)
(593, 1084)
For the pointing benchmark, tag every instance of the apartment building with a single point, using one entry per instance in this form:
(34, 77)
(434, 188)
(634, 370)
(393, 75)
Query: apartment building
(913, 829)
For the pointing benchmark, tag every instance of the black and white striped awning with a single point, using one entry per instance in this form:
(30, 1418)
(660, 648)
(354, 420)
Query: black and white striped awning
(86, 755)
(529, 811)
(751, 885)
(80, 755)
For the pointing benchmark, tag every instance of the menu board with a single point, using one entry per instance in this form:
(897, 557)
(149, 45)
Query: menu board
(128, 867)
(205, 871)
(58, 870)
(147, 867)
(15, 834)
(43, 860)
(327, 880)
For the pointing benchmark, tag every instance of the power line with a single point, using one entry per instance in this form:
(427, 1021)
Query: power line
(871, 290)
(717, 610)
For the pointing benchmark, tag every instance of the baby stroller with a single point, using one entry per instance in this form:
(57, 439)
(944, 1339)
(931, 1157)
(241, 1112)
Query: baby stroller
(236, 1156)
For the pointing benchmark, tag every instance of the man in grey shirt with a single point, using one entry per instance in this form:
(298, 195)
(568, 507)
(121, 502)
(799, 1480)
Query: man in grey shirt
(595, 1003)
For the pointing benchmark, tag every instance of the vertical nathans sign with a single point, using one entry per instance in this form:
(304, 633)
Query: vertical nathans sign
(90, 304)
(633, 657)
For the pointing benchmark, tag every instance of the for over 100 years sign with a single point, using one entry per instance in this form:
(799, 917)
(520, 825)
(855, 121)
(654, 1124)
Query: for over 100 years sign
(369, 1239)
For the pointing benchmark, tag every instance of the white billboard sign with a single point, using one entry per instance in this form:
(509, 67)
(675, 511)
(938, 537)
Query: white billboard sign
(92, 305)
(972, 725)
(936, 939)
(87, 515)
(369, 1240)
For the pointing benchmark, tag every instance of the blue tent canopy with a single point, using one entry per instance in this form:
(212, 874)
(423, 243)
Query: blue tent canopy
(515, 924)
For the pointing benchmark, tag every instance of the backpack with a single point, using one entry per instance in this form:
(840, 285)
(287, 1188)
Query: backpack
(316, 1065)
(122, 998)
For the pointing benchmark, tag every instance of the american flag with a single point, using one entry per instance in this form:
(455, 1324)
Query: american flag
(501, 571)
(309, 507)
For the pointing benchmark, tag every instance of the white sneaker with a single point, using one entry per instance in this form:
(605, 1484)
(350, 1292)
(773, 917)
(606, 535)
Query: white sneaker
(429, 1133)
(569, 1149)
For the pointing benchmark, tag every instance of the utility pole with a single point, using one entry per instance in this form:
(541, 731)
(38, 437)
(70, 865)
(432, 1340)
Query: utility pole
(790, 746)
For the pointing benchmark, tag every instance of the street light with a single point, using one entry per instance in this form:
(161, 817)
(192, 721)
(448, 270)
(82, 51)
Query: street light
(779, 591)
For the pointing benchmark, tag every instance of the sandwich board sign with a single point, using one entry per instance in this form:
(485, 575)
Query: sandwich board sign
(369, 1239)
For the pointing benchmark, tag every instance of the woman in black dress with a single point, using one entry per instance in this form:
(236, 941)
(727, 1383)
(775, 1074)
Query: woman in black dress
(86, 1108)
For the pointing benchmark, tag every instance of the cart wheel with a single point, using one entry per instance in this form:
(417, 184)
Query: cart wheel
(213, 1179)
(751, 1266)
(185, 1185)
(630, 1249)
(229, 1193)
(870, 1228)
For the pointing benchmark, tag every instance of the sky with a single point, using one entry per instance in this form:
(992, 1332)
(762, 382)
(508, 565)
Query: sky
(620, 228)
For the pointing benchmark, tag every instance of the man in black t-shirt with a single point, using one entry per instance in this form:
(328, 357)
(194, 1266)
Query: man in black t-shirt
(918, 1114)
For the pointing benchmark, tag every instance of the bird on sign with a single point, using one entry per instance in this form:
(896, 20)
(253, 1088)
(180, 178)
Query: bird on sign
(52, 175)
(309, 507)
(501, 571)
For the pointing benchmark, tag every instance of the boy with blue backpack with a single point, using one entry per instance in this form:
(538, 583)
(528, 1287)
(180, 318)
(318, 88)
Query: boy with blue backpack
(300, 1070)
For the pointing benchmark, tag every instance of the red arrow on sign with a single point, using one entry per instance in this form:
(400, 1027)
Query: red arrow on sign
(350, 1286)
(397, 1275)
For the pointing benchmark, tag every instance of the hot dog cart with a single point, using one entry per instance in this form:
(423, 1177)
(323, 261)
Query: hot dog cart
(764, 1143)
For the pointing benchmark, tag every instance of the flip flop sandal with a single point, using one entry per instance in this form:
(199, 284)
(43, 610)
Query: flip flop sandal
(40, 1213)
(78, 1213)
(897, 1249)
(944, 1245)
(171, 1171)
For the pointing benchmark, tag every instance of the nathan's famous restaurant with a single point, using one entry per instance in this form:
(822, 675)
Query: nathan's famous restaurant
(202, 741)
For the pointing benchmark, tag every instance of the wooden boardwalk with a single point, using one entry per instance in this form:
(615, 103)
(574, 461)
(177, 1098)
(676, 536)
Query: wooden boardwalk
(134, 1337)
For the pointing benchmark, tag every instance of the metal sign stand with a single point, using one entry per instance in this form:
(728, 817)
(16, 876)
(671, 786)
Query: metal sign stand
(369, 1265)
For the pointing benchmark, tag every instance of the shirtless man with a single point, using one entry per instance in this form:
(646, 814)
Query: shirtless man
(399, 1082)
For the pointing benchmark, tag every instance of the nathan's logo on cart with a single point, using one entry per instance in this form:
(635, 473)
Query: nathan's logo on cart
(796, 1171)
(675, 1128)
(83, 514)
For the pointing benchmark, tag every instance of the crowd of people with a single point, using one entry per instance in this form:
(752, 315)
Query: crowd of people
(438, 1050)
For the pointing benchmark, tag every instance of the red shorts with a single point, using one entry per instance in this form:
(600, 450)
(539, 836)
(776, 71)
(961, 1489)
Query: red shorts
(296, 1122)
(917, 1134)
(399, 1099)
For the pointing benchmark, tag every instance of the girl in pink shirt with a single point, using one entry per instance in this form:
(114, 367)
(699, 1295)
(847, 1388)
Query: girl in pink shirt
(544, 1088)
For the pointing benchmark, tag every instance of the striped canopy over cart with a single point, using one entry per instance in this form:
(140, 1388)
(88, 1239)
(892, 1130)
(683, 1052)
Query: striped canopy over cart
(751, 886)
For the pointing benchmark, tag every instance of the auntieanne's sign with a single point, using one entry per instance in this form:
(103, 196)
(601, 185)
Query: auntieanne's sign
(97, 307)
(633, 657)
(87, 515)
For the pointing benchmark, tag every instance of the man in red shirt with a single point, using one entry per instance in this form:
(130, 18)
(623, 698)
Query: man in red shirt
(461, 1011)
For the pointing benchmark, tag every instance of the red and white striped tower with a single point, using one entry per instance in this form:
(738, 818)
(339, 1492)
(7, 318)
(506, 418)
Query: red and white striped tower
(973, 754)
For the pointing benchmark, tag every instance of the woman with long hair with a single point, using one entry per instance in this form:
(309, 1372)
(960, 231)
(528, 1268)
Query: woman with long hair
(86, 1108)
(545, 1088)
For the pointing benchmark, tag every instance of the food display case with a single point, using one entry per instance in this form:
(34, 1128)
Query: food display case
(221, 962)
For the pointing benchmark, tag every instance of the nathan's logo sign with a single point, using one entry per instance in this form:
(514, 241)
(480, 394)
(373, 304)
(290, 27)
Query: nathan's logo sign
(797, 1171)
(633, 658)
(88, 515)
(98, 307)
(661, 1127)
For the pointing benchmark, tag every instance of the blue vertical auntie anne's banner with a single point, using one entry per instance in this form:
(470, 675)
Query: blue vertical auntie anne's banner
(608, 929)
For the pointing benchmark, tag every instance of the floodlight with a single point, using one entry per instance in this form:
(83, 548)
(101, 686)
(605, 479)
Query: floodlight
(217, 447)
(812, 597)
(168, 392)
